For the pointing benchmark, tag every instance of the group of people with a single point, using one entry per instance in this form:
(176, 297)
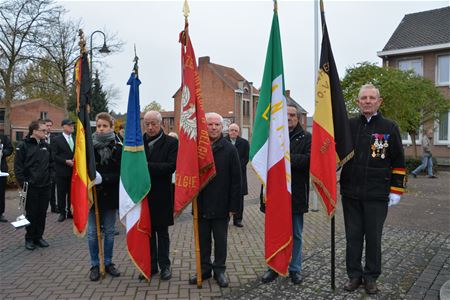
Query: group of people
(370, 182)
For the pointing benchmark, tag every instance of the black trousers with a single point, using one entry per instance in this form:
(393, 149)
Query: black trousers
(63, 188)
(217, 228)
(364, 221)
(2, 194)
(53, 203)
(159, 248)
(238, 216)
(36, 211)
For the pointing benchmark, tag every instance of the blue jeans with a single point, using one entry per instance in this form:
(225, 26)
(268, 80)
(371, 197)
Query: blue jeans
(427, 161)
(107, 222)
(297, 229)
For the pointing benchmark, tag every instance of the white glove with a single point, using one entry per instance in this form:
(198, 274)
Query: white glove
(98, 178)
(394, 199)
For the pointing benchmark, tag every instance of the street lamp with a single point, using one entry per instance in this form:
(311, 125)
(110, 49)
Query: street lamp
(104, 49)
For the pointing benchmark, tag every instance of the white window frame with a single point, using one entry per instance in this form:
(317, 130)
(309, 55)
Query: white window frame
(408, 141)
(437, 71)
(436, 140)
(411, 59)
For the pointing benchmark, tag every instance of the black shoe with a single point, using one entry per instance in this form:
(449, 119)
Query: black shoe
(152, 272)
(269, 276)
(3, 219)
(112, 270)
(166, 274)
(61, 218)
(371, 287)
(221, 280)
(413, 174)
(41, 243)
(30, 245)
(296, 277)
(69, 216)
(193, 279)
(352, 284)
(95, 273)
(54, 210)
(238, 224)
(432, 176)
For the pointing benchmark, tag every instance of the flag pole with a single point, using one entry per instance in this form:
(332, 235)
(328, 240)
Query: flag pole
(198, 266)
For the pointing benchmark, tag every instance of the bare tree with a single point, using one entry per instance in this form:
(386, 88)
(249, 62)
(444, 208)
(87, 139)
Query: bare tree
(20, 22)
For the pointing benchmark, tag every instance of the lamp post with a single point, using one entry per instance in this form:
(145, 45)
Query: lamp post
(104, 49)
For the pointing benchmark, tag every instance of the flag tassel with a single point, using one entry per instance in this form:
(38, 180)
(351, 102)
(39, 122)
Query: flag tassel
(198, 265)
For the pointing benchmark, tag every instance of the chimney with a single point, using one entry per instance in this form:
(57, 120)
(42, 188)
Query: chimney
(203, 60)
(288, 93)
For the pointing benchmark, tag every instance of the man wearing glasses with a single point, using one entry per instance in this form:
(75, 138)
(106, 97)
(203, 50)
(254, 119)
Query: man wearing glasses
(33, 164)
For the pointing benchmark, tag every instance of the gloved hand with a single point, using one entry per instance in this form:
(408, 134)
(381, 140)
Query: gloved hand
(98, 178)
(394, 199)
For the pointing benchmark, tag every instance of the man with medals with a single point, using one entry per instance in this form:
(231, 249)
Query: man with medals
(370, 182)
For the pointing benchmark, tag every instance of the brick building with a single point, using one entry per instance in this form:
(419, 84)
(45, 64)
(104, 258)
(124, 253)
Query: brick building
(228, 93)
(421, 42)
(25, 111)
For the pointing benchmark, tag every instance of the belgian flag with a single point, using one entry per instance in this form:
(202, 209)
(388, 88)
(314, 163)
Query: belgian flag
(331, 140)
(83, 174)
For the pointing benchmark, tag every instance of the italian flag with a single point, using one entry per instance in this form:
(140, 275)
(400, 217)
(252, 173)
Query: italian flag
(269, 153)
(134, 185)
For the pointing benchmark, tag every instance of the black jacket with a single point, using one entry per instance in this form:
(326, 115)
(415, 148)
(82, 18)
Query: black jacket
(223, 193)
(300, 148)
(108, 190)
(7, 151)
(61, 152)
(33, 163)
(243, 149)
(161, 160)
(372, 174)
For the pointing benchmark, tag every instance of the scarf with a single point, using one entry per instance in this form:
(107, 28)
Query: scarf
(101, 142)
(153, 141)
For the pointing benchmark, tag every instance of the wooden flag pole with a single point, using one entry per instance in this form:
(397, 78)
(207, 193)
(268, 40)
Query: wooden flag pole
(99, 234)
(333, 254)
(197, 244)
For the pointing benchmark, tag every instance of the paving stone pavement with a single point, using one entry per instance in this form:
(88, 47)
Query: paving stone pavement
(416, 257)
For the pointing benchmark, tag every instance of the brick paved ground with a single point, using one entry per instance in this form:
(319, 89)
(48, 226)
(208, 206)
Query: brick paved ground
(416, 257)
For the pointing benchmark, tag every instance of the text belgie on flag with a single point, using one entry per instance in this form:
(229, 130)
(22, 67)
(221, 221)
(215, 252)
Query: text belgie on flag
(269, 153)
(195, 161)
(331, 144)
(83, 173)
(134, 185)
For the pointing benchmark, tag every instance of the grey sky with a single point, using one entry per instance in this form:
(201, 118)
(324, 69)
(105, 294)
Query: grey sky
(235, 34)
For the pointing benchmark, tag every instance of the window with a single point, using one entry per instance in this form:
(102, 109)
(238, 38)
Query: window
(43, 115)
(443, 70)
(19, 135)
(246, 109)
(442, 136)
(411, 64)
(2, 115)
(406, 138)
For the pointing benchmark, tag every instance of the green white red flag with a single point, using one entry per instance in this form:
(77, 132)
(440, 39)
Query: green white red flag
(269, 153)
(135, 185)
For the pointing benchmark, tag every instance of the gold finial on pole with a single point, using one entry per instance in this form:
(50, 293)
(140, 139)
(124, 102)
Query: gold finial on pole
(275, 6)
(321, 6)
(82, 42)
(186, 10)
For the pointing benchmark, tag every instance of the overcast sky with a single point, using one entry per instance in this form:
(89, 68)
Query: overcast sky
(235, 34)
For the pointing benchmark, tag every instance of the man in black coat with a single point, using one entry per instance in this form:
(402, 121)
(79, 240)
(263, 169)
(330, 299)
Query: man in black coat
(6, 149)
(243, 148)
(161, 151)
(217, 201)
(370, 182)
(33, 164)
(300, 150)
(63, 148)
(49, 139)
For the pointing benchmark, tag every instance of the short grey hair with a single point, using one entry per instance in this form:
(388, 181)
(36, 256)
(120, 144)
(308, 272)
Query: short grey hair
(156, 113)
(214, 114)
(369, 86)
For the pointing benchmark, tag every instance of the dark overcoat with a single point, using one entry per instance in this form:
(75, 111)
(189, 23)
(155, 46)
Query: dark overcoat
(243, 149)
(161, 161)
(223, 193)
